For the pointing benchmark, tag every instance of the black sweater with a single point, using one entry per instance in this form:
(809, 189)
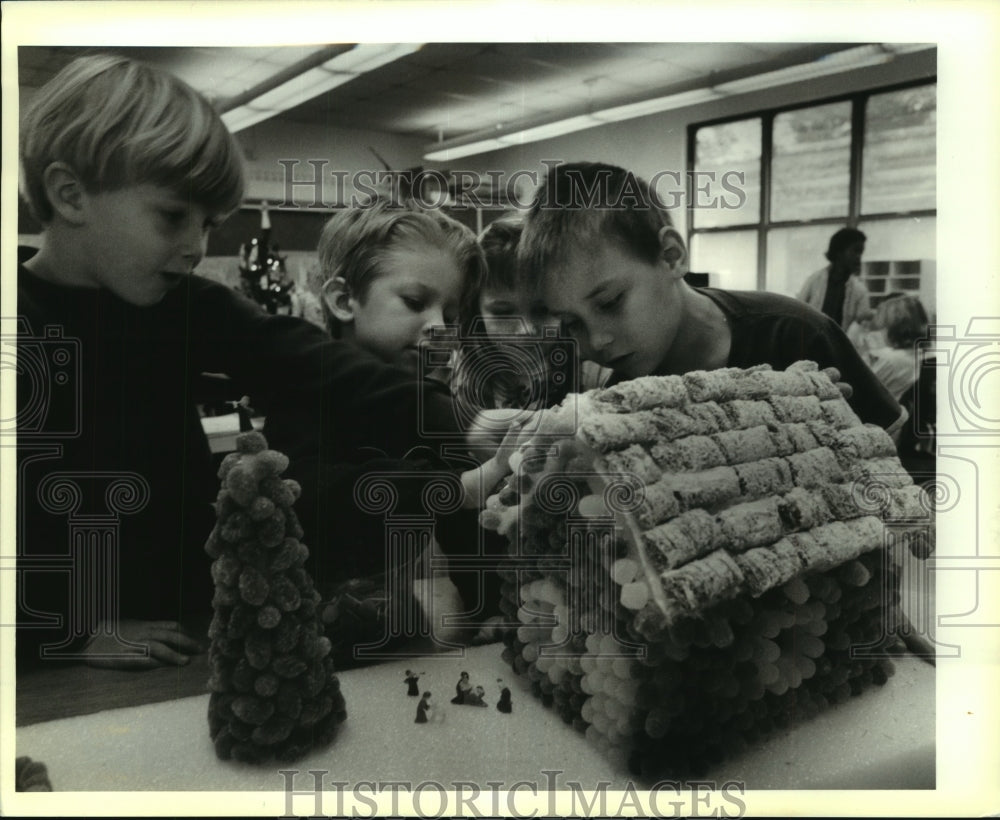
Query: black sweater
(107, 393)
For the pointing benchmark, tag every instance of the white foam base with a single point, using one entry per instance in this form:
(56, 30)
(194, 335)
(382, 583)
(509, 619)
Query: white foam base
(882, 739)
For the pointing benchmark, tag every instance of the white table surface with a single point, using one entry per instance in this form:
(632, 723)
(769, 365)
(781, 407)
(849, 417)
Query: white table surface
(883, 739)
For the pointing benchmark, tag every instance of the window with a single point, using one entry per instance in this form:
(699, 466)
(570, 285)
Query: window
(794, 253)
(899, 155)
(726, 149)
(867, 160)
(730, 257)
(811, 163)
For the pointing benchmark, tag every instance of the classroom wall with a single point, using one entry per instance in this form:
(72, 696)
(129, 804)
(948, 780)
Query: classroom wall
(297, 228)
(646, 145)
(341, 148)
(659, 142)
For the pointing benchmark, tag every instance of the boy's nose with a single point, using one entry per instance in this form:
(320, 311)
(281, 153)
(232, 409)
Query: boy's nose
(600, 339)
(433, 317)
(194, 248)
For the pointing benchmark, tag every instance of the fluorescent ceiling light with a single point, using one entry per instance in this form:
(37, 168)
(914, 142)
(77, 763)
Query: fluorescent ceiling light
(549, 130)
(315, 81)
(860, 57)
(656, 106)
(845, 60)
(571, 125)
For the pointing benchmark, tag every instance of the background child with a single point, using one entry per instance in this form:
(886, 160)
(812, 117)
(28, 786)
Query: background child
(488, 375)
(900, 322)
(894, 356)
(917, 445)
(395, 273)
(507, 359)
(602, 253)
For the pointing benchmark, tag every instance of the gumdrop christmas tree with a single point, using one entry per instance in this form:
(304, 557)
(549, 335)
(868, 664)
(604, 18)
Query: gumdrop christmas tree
(274, 691)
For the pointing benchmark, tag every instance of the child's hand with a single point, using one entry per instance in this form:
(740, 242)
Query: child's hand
(479, 483)
(834, 375)
(487, 431)
(516, 436)
(169, 645)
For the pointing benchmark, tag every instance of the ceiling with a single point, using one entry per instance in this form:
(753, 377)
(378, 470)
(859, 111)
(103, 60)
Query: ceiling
(457, 90)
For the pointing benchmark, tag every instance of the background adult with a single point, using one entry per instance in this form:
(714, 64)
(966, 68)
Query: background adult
(837, 289)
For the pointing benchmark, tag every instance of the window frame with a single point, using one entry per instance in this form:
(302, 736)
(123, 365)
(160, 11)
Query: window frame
(764, 224)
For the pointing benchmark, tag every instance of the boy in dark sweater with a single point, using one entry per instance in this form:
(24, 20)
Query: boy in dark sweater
(603, 255)
(128, 169)
(394, 274)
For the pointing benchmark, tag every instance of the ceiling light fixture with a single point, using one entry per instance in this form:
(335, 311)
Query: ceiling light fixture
(305, 80)
(859, 57)
(840, 61)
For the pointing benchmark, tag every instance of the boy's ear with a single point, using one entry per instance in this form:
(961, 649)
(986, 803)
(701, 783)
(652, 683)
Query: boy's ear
(673, 251)
(338, 299)
(65, 192)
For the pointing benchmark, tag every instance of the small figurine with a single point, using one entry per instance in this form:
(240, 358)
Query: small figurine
(423, 708)
(462, 689)
(411, 682)
(245, 414)
(504, 705)
(474, 697)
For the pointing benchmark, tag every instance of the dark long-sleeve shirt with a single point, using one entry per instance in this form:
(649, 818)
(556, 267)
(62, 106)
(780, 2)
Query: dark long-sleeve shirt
(110, 439)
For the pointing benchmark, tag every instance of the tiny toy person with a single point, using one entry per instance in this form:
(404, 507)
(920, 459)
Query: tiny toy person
(462, 689)
(411, 683)
(474, 697)
(504, 705)
(423, 708)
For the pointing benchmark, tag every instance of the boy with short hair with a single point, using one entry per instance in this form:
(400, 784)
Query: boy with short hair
(395, 273)
(128, 168)
(602, 252)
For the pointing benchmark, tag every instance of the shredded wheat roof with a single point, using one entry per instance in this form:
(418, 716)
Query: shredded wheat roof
(745, 479)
